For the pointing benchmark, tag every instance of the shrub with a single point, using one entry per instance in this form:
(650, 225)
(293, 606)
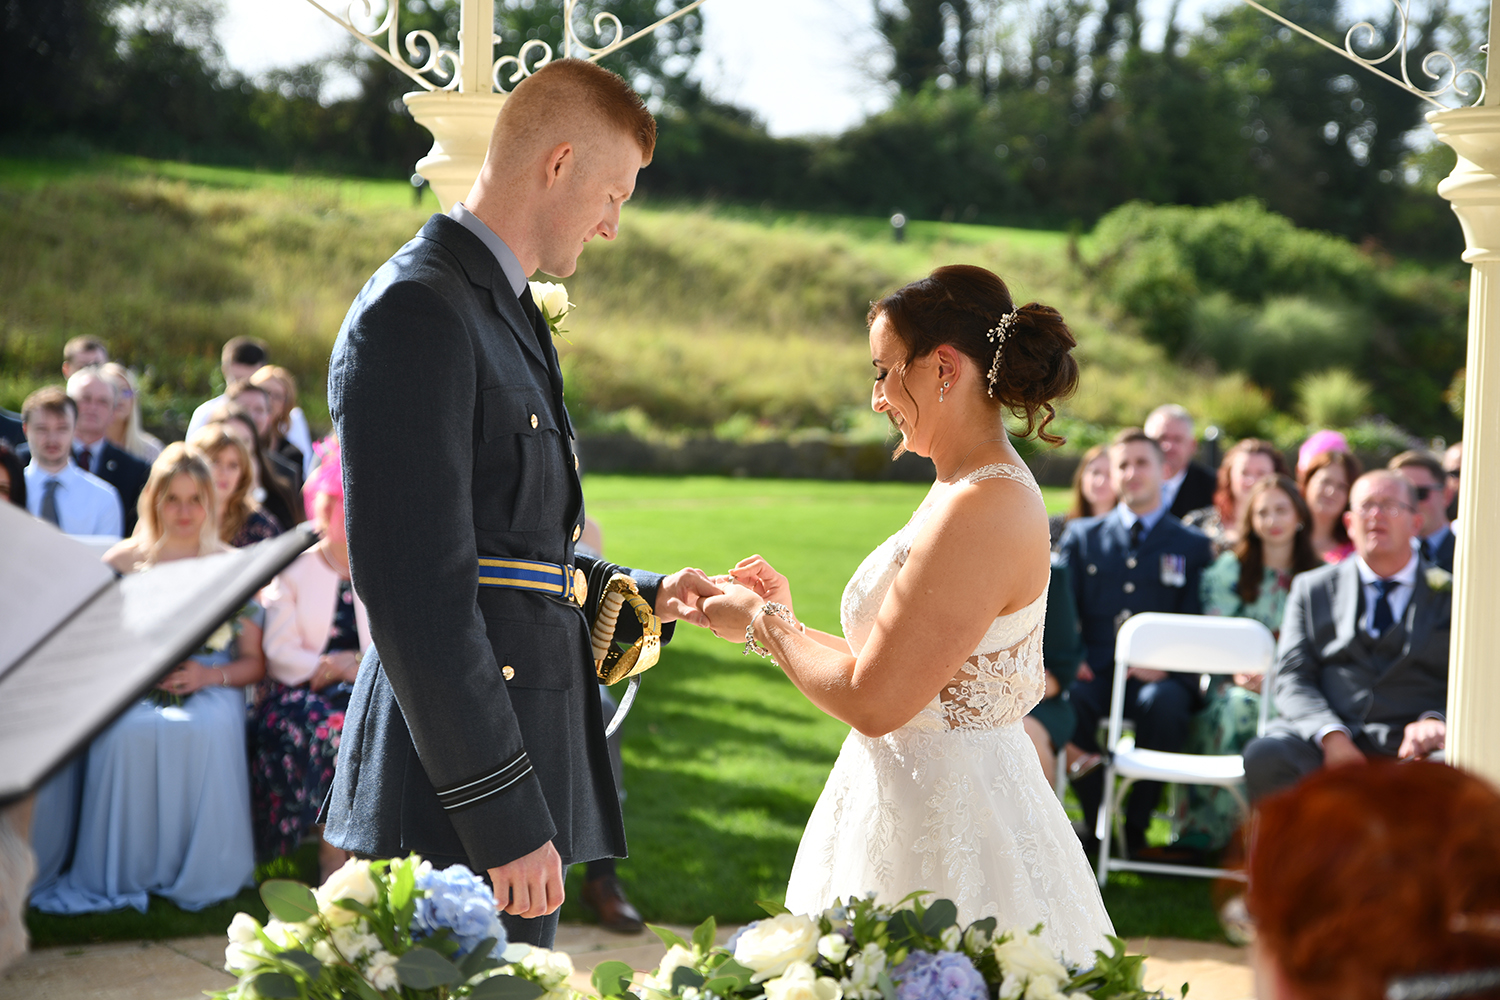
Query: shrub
(1332, 398)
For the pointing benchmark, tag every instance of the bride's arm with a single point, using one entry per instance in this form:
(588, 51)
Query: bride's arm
(975, 559)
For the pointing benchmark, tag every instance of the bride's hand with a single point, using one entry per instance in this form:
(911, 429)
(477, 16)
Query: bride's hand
(760, 576)
(730, 613)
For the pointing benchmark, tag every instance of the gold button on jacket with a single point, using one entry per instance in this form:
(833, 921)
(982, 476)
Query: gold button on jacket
(534, 421)
(508, 671)
(577, 532)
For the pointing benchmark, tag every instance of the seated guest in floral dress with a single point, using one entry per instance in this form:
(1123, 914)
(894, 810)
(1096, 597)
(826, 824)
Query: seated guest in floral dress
(1244, 465)
(316, 633)
(159, 803)
(1249, 581)
(242, 521)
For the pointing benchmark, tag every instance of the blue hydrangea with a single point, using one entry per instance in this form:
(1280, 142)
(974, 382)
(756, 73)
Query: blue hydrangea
(948, 975)
(460, 901)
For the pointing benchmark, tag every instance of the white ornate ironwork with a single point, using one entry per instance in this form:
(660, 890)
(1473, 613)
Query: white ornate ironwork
(1399, 49)
(447, 65)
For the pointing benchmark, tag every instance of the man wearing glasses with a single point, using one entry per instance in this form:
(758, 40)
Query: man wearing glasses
(1362, 665)
(1434, 531)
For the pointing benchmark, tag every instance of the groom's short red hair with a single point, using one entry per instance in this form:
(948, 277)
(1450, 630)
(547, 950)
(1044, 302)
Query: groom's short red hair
(1360, 875)
(569, 96)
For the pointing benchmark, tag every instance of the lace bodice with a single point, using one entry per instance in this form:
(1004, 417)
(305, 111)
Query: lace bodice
(1004, 678)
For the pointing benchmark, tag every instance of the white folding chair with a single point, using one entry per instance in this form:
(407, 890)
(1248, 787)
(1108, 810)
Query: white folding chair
(1193, 644)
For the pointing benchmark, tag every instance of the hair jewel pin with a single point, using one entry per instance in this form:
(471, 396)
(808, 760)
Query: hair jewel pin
(997, 336)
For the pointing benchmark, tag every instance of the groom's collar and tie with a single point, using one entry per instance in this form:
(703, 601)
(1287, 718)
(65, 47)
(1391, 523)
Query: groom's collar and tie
(1138, 526)
(510, 265)
(1386, 598)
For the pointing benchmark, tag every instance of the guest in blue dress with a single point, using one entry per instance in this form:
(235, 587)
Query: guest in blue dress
(159, 803)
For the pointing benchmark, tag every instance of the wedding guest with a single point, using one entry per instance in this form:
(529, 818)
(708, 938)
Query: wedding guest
(241, 358)
(1135, 558)
(12, 477)
(1244, 465)
(1375, 882)
(1324, 482)
(256, 401)
(57, 490)
(1453, 461)
(270, 489)
(83, 352)
(316, 634)
(1362, 665)
(126, 430)
(287, 434)
(1251, 580)
(1093, 494)
(160, 801)
(242, 521)
(1187, 485)
(94, 396)
(1434, 534)
(1316, 444)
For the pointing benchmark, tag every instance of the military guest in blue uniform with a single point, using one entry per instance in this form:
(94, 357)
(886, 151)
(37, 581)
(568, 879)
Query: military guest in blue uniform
(1138, 557)
(474, 733)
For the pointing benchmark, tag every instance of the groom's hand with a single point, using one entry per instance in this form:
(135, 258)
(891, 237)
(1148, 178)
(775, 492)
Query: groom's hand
(530, 886)
(681, 596)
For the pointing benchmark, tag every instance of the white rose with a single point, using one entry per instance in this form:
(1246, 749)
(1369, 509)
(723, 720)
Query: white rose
(677, 957)
(1028, 957)
(352, 881)
(552, 967)
(240, 958)
(381, 972)
(866, 967)
(353, 943)
(833, 947)
(1043, 988)
(323, 952)
(555, 301)
(242, 928)
(285, 935)
(1011, 987)
(800, 982)
(772, 945)
(976, 939)
(951, 938)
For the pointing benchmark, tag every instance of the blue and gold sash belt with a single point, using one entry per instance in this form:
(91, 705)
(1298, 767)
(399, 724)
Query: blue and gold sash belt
(564, 582)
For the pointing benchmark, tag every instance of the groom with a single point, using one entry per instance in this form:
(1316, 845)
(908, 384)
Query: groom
(475, 734)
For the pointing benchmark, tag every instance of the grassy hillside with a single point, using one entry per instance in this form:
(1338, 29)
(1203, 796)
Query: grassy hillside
(695, 318)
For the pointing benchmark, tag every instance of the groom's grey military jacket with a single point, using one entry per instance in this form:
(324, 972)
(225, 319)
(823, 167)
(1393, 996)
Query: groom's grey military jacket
(474, 731)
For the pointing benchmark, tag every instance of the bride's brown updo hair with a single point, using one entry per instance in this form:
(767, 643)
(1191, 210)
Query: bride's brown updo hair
(961, 305)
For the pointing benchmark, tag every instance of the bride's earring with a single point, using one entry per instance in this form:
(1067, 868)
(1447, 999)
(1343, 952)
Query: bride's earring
(941, 391)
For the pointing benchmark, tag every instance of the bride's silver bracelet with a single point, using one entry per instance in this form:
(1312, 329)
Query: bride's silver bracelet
(776, 611)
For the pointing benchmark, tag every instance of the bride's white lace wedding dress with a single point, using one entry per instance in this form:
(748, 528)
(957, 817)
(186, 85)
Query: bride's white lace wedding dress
(954, 801)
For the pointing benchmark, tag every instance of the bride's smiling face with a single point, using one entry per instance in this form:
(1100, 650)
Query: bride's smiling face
(892, 394)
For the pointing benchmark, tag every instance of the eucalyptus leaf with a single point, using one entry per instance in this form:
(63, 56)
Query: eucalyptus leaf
(290, 902)
(612, 979)
(774, 909)
(505, 988)
(365, 990)
(703, 935)
(668, 937)
(425, 969)
(886, 987)
(939, 916)
(309, 966)
(355, 906)
(741, 973)
(478, 960)
(683, 977)
(903, 927)
(277, 986)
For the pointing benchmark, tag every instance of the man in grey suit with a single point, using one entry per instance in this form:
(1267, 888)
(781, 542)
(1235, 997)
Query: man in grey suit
(475, 734)
(1362, 665)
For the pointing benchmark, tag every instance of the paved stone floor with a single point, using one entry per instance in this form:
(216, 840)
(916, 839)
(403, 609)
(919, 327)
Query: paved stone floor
(184, 969)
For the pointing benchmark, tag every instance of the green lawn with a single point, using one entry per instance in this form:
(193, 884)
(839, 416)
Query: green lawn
(723, 757)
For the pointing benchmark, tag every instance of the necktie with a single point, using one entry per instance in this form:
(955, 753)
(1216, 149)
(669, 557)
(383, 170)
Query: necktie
(1384, 619)
(1427, 549)
(1136, 531)
(49, 502)
(85, 459)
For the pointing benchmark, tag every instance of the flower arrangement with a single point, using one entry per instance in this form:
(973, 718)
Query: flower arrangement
(219, 640)
(383, 930)
(551, 297)
(862, 951)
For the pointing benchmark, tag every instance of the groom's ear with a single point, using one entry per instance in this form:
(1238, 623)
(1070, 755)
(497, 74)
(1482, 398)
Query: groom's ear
(561, 160)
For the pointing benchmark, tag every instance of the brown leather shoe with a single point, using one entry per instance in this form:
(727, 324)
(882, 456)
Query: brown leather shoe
(606, 897)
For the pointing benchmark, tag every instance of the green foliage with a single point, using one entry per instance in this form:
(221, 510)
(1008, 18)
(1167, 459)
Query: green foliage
(1332, 398)
(288, 901)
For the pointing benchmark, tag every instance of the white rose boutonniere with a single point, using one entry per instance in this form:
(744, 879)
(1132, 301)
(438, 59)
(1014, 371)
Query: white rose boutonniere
(551, 298)
(1439, 580)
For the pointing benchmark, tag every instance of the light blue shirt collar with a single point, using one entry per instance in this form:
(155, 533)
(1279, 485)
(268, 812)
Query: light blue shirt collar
(1128, 517)
(504, 256)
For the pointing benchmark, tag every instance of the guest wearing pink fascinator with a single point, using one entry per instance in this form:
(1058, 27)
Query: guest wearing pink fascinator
(316, 634)
(1321, 441)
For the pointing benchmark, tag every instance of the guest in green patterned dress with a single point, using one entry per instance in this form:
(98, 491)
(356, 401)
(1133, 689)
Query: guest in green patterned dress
(1250, 580)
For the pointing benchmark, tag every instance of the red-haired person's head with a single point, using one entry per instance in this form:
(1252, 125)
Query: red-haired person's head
(1371, 876)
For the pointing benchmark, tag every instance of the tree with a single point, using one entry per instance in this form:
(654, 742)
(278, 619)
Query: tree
(929, 42)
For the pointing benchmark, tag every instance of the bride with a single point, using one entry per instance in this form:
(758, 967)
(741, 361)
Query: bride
(937, 787)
